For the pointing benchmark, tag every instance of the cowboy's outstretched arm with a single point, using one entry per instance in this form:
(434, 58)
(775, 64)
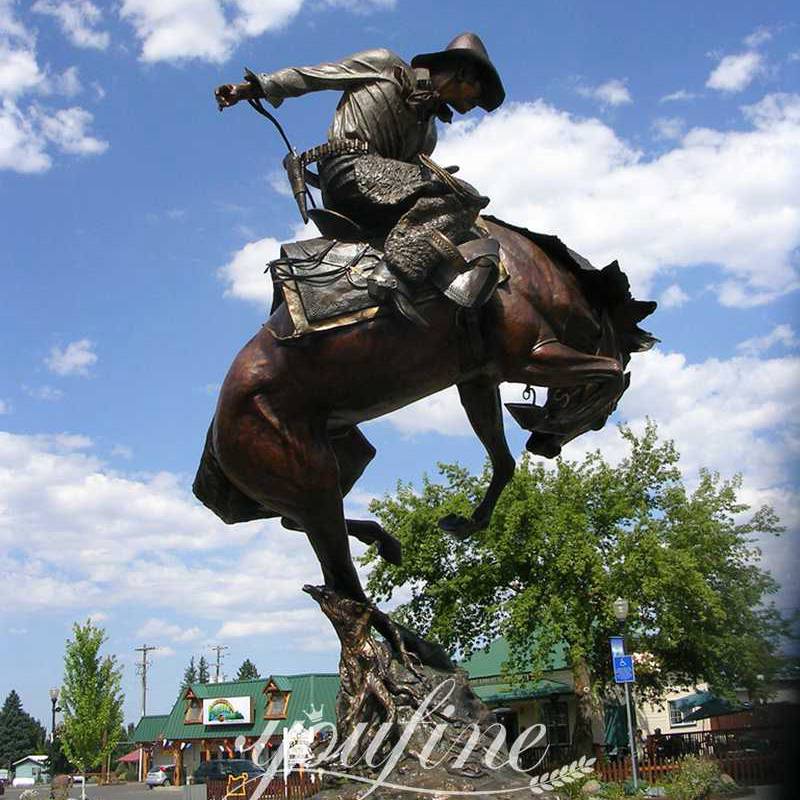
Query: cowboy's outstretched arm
(369, 65)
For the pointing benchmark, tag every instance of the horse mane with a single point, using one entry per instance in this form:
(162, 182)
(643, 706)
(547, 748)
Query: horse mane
(607, 289)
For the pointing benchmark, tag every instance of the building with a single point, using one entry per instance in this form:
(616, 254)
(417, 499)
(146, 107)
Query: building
(208, 719)
(550, 701)
(31, 770)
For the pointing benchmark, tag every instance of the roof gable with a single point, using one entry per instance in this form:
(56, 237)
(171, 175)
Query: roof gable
(312, 699)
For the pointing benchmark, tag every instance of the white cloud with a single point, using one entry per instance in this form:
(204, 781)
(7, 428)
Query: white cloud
(244, 273)
(245, 276)
(68, 82)
(73, 532)
(5, 407)
(74, 359)
(155, 629)
(265, 623)
(735, 73)
(171, 30)
(668, 127)
(722, 197)
(673, 297)
(98, 616)
(176, 30)
(677, 96)
(780, 334)
(611, 93)
(22, 148)
(758, 37)
(48, 393)
(27, 131)
(67, 129)
(78, 20)
(121, 451)
(19, 72)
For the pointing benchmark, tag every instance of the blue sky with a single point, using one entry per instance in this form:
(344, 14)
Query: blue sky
(137, 220)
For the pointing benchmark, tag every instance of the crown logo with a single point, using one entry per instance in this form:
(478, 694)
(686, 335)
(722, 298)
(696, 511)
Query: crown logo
(315, 715)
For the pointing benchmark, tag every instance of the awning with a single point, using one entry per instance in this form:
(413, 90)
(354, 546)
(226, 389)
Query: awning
(702, 705)
(504, 693)
(616, 726)
(130, 758)
(716, 707)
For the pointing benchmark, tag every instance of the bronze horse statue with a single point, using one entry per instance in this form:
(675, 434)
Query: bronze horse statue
(285, 440)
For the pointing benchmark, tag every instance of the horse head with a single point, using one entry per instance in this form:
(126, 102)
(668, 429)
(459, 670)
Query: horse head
(572, 410)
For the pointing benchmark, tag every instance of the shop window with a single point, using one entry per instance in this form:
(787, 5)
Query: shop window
(677, 715)
(194, 709)
(555, 715)
(276, 705)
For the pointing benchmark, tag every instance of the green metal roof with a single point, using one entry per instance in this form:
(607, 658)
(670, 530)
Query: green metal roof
(150, 728)
(490, 662)
(310, 693)
(494, 694)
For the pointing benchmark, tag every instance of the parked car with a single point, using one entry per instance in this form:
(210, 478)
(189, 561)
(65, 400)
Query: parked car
(220, 768)
(160, 776)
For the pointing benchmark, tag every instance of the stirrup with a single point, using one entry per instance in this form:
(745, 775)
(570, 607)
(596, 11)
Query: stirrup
(468, 273)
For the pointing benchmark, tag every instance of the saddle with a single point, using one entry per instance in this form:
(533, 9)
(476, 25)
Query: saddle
(324, 281)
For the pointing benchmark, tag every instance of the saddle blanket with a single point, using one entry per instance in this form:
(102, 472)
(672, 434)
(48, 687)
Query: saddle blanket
(323, 283)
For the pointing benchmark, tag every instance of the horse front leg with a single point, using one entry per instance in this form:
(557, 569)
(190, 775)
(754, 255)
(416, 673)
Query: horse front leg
(481, 400)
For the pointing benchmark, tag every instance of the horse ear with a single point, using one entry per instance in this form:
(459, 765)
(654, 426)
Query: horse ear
(639, 309)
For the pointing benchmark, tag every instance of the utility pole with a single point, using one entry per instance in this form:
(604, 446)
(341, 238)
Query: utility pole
(219, 649)
(141, 668)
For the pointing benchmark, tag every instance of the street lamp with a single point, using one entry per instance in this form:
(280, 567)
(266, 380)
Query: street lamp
(54, 702)
(621, 608)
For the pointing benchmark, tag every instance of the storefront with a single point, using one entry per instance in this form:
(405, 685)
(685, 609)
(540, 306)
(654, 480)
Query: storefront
(210, 720)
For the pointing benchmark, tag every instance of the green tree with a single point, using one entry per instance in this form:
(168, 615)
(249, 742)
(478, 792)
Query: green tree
(20, 734)
(248, 671)
(566, 540)
(91, 699)
(203, 675)
(190, 674)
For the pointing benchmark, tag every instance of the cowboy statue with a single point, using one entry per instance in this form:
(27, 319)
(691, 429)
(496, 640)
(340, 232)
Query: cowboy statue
(375, 171)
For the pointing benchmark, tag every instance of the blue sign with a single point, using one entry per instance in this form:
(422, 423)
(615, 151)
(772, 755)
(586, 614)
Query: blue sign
(623, 669)
(617, 646)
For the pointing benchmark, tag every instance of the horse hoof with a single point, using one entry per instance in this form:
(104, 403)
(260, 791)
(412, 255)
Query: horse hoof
(390, 549)
(459, 526)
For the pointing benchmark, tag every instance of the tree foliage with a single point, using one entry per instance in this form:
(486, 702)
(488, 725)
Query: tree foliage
(248, 671)
(565, 541)
(20, 734)
(190, 674)
(91, 699)
(203, 674)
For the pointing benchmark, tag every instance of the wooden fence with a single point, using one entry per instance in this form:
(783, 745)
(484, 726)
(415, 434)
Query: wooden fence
(751, 756)
(746, 770)
(301, 785)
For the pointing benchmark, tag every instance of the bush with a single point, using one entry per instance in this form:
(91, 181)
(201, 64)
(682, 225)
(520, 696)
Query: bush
(695, 779)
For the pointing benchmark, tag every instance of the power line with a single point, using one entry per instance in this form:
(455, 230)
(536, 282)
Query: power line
(219, 649)
(141, 669)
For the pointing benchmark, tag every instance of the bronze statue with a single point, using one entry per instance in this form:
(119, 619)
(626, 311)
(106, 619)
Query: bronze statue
(285, 441)
(375, 168)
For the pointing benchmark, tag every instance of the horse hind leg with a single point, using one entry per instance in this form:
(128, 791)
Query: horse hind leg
(353, 453)
(213, 488)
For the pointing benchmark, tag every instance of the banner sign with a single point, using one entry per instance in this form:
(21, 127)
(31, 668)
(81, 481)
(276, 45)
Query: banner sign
(227, 711)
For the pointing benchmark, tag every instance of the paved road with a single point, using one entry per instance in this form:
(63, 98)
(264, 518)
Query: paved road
(125, 791)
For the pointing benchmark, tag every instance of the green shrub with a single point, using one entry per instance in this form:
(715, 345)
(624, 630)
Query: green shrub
(694, 780)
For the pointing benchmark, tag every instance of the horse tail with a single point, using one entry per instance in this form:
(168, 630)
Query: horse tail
(213, 489)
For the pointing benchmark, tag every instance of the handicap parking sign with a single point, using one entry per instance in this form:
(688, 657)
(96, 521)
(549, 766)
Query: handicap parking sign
(623, 669)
